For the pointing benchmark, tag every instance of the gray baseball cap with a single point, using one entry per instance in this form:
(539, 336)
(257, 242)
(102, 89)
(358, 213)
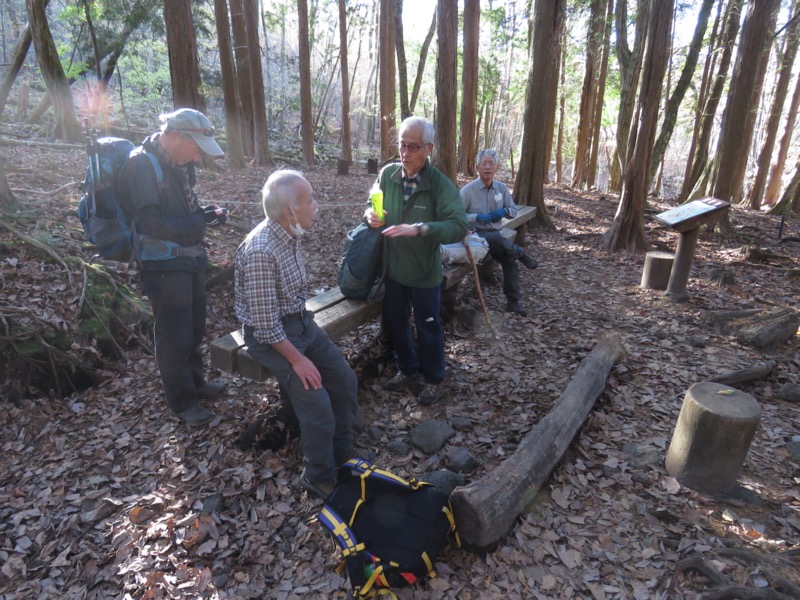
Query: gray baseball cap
(197, 126)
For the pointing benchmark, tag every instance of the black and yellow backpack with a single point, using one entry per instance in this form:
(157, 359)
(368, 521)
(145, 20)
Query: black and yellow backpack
(390, 530)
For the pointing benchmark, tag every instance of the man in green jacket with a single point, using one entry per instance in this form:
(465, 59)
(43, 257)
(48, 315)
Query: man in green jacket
(422, 210)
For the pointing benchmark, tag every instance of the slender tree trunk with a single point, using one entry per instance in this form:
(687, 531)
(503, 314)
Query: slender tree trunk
(561, 114)
(630, 64)
(700, 158)
(234, 151)
(182, 49)
(591, 75)
(242, 57)
(8, 201)
(601, 92)
(529, 184)
(347, 140)
(467, 150)
(423, 56)
(781, 91)
(66, 122)
(446, 88)
(260, 131)
(738, 118)
(387, 84)
(306, 119)
(790, 200)
(555, 74)
(773, 188)
(402, 71)
(675, 99)
(627, 230)
(21, 48)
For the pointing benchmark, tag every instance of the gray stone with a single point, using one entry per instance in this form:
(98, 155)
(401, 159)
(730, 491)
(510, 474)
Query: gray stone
(399, 448)
(213, 503)
(461, 423)
(642, 456)
(696, 342)
(443, 479)
(789, 392)
(793, 448)
(375, 433)
(429, 436)
(461, 461)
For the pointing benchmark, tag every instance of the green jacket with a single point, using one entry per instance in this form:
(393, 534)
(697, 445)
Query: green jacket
(417, 261)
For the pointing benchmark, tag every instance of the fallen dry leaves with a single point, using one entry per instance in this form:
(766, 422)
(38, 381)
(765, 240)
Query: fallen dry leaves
(103, 494)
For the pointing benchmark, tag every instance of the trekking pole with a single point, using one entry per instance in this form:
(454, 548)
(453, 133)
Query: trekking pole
(478, 286)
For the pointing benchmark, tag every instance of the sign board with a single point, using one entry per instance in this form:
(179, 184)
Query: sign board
(692, 214)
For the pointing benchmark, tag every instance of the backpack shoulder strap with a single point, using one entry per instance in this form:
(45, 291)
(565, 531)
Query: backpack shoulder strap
(157, 170)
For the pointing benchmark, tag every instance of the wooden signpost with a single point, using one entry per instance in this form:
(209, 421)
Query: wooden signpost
(687, 220)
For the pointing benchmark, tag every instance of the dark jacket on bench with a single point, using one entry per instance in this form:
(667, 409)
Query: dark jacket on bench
(437, 203)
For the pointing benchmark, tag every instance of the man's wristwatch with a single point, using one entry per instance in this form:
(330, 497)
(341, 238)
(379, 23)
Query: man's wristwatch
(422, 229)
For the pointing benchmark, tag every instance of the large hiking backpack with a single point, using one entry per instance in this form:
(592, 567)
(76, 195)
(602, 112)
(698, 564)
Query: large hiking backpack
(390, 530)
(102, 218)
(362, 265)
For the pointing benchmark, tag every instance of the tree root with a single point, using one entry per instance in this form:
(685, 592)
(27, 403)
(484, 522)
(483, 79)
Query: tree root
(37, 244)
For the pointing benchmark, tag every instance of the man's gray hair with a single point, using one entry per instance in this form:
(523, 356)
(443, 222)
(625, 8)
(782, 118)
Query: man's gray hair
(427, 127)
(487, 152)
(280, 191)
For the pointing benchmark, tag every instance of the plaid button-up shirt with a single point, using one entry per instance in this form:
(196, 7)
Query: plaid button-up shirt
(270, 280)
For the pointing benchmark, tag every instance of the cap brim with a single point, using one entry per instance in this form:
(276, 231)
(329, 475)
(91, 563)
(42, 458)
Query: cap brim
(207, 144)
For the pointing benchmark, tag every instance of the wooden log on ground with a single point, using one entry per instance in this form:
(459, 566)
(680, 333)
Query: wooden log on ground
(657, 268)
(754, 373)
(485, 510)
(756, 327)
(712, 436)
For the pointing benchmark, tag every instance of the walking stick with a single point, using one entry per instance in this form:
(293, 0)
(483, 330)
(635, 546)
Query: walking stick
(478, 286)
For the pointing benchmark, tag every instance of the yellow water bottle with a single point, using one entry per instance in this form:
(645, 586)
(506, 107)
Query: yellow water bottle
(376, 198)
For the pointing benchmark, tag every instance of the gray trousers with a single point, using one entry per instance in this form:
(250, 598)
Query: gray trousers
(326, 415)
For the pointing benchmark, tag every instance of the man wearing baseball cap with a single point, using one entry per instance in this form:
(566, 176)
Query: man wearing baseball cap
(156, 191)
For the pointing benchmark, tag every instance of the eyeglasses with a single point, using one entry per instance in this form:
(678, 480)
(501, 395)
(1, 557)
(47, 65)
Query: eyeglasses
(413, 148)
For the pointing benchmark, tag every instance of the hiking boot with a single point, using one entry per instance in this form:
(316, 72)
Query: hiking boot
(431, 392)
(515, 307)
(400, 382)
(212, 390)
(196, 415)
(528, 261)
(321, 489)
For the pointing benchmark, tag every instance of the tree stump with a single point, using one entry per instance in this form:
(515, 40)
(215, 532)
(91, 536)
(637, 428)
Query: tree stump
(712, 436)
(657, 268)
(343, 167)
(372, 166)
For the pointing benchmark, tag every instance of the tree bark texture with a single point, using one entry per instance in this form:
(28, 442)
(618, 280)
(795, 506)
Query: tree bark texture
(485, 510)
(774, 185)
(184, 69)
(7, 199)
(591, 74)
(347, 139)
(778, 99)
(707, 125)
(600, 99)
(529, 183)
(467, 144)
(675, 99)
(447, 88)
(402, 68)
(630, 65)
(738, 119)
(260, 133)
(242, 57)
(66, 122)
(306, 122)
(627, 230)
(555, 74)
(234, 151)
(21, 47)
(388, 115)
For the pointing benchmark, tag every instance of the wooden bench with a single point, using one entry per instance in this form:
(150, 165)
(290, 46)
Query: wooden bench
(338, 315)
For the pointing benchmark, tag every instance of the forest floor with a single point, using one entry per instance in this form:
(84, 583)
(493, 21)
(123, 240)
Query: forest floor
(103, 494)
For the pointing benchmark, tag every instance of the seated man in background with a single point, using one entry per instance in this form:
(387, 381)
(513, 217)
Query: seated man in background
(486, 202)
(271, 290)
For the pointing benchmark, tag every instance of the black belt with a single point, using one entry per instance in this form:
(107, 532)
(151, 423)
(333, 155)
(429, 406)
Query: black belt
(300, 315)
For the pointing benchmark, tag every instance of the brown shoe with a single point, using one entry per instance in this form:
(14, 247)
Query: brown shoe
(400, 382)
(321, 489)
(430, 394)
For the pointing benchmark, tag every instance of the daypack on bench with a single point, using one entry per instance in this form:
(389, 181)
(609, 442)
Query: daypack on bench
(362, 265)
(390, 530)
(103, 220)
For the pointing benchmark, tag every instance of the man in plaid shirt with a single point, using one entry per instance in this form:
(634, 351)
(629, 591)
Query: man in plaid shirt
(270, 286)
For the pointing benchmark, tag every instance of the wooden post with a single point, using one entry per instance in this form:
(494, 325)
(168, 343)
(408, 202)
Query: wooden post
(372, 166)
(684, 254)
(657, 268)
(712, 436)
(343, 167)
